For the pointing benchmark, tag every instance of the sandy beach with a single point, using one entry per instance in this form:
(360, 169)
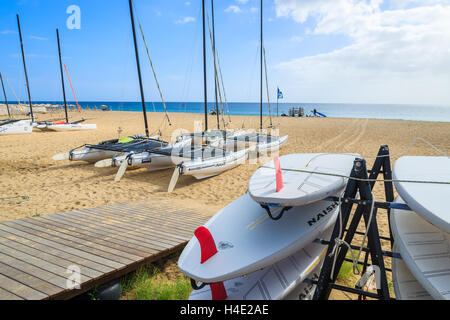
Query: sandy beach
(27, 169)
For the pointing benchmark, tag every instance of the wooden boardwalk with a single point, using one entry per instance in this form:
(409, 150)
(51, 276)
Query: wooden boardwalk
(105, 243)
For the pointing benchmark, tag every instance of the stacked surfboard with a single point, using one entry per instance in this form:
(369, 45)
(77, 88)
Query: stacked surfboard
(422, 236)
(262, 245)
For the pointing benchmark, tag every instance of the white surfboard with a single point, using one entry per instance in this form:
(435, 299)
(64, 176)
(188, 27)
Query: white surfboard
(427, 200)
(301, 188)
(281, 280)
(248, 240)
(425, 250)
(406, 286)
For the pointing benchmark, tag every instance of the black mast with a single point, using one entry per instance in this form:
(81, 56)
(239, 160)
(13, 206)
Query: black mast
(4, 93)
(62, 77)
(215, 67)
(261, 84)
(25, 69)
(204, 68)
(139, 69)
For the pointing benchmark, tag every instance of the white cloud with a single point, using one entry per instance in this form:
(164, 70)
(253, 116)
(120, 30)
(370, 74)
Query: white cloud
(296, 39)
(38, 38)
(398, 55)
(185, 20)
(7, 32)
(242, 1)
(254, 9)
(234, 9)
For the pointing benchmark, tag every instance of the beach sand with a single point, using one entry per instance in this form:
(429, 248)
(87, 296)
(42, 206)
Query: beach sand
(27, 169)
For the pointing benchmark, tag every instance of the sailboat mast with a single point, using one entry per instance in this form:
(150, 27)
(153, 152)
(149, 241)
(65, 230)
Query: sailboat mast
(215, 67)
(205, 89)
(62, 77)
(25, 69)
(6, 99)
(261, 69)
(139, 69)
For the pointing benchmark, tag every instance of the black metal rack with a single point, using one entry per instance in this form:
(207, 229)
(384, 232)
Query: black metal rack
(362, 181)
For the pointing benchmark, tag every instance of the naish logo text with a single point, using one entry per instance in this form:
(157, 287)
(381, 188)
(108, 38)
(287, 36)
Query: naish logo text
(322, 214)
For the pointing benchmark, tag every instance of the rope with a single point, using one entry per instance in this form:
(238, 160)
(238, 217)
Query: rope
(338, 242)
(153, 70)
(382, 156)
(267, 86)
(24, 199)
(410, 146)
(361, 179)
(73, 91)
(18, 101)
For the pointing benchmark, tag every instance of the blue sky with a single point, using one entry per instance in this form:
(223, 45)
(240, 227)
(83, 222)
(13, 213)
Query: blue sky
(369, 51)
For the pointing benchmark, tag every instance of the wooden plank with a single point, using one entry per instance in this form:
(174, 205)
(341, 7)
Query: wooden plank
(103, 251)
(37, 262)
(150, 221)
(156, 211)
(120, 232)
(58, 261)
(20, 289)
(67, 246)
(175, 212)
(6, 295)
(131, 216)
(112, 224)
(28, 280)
(78, 232)
(105, 242)
(57, 252)
(30, 269)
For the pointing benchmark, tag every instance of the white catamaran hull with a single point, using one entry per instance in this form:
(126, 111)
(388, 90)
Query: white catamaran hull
(148, 160)
(201, 169)
(17, 127)
(151, 161)
(271, 146)
(66, 127)
(88, 154)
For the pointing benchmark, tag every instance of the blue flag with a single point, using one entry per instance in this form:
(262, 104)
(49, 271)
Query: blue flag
(279, 94)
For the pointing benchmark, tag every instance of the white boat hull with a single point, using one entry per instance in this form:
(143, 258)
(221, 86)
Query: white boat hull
(18, 127)
(201, 169)
(66, 127)
(151, 161)
(91, 155)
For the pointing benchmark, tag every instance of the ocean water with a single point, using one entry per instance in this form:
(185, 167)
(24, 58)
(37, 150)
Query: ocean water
(333, 110)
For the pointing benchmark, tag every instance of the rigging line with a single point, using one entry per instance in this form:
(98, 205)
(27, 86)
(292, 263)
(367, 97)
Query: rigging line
(10, 87)
(73, 91)
(267, 84)
(188, 73)
(153, 69)
(360, 179)
(216, 77)
(223, 89)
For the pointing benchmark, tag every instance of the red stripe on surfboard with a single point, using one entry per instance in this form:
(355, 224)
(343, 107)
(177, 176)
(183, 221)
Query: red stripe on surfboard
(218, 291)
(279, 176)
